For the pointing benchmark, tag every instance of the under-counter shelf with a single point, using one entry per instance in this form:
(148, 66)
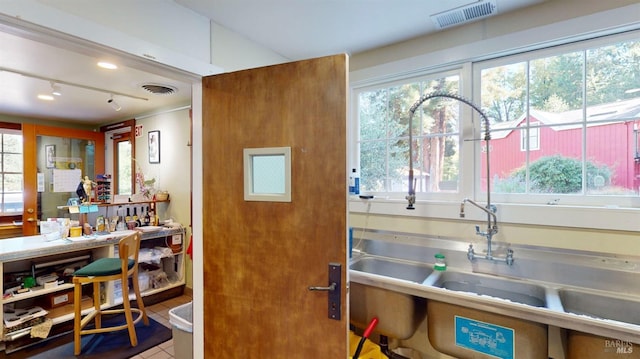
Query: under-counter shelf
(21, 250)
(36, 292)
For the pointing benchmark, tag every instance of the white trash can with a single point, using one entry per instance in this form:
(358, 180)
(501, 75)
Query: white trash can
(181, 319)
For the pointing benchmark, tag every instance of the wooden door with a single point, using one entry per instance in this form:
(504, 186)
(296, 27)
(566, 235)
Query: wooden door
(31, 155)
(261, 257)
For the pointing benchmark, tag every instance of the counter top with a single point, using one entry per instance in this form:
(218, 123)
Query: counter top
(19, 248)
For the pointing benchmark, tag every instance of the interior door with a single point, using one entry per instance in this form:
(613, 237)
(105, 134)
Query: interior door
(36, 161)
(261, 257)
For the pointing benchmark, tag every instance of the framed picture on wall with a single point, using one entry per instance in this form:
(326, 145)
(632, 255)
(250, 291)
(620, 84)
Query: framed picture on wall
(154, 146)
(50, 156)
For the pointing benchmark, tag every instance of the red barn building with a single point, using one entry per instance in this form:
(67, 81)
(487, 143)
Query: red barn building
(611, 139)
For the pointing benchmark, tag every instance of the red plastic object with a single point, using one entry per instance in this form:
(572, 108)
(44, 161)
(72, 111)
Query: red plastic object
(367, 331)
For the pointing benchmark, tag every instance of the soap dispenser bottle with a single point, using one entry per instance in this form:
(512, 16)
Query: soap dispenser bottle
(354, 182)
(440, 264)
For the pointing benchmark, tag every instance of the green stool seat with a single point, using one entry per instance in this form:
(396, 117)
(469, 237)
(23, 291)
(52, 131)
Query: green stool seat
(95, 275)
(103, 267)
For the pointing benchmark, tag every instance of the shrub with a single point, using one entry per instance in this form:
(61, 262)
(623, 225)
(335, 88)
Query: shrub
(558, 174)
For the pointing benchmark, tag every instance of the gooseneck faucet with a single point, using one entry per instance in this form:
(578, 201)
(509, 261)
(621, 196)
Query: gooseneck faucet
(411, 196)
(492, 222)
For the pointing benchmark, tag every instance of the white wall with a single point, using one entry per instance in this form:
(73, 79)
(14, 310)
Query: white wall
(233, 52)
(157, 21)
(173, 173)
(497, 35)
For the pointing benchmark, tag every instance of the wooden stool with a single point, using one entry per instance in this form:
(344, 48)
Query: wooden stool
(104, 270)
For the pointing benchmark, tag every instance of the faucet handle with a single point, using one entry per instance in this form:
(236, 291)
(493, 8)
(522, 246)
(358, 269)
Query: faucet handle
(471, 254)
(509, 258)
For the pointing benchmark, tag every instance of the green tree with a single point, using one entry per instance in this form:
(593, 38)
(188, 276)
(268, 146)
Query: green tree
(504, 92)
(556, 79)
(437, 116)
(384, 133)
(612, 71)
(384, 122)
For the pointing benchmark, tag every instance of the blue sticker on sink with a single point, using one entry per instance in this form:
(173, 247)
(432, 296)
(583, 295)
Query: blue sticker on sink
(485, 338)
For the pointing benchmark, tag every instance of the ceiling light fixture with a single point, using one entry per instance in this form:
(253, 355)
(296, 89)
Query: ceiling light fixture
(56, 90)
(45, 97)
(107, 65)
(114, 104)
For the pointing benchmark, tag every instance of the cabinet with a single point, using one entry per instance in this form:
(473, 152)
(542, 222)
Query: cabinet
(162, 265)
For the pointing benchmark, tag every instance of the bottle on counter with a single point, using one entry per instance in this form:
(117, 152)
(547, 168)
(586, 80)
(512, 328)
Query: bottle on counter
(152, 215)
(121, 225)
(441, 264)
(135, 214)
(147, 218)
(354, 182)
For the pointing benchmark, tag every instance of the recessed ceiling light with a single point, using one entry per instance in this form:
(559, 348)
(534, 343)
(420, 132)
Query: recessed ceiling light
(45, 97)
(107, 65)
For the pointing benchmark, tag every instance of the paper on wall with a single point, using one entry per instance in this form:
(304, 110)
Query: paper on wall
(66, 180)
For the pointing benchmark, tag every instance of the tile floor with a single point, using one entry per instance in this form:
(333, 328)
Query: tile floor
(160, 313)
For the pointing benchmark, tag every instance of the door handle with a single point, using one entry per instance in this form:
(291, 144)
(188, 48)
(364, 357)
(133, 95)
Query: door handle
(330, 288)
(333, 289)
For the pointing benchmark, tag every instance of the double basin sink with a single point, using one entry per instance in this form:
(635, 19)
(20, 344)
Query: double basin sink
(559, 299)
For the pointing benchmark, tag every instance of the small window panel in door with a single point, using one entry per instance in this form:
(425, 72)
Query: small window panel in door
(267, 174)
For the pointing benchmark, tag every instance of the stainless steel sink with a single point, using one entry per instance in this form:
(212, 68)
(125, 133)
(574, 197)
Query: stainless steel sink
(400, 314)
(513, 290)
(398, 269)
(600, 305)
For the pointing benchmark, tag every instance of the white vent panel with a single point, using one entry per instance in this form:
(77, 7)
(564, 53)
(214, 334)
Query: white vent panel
(465, 14)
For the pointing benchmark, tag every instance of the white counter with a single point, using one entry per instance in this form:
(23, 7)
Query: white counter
(19, 248)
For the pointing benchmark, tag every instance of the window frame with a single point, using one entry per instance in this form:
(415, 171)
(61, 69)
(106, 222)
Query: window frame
(12, 130)
(466, 128)
(618, 217)
(526, 56)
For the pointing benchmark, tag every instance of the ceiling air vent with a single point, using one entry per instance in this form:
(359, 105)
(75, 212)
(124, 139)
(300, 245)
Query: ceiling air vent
(159, 89)
(465, 14)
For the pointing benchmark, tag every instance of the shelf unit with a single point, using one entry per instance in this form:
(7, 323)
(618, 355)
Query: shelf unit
(18, 254)
(103, 190)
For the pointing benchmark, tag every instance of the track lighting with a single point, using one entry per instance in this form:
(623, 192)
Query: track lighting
(56, 90)
(114, 104)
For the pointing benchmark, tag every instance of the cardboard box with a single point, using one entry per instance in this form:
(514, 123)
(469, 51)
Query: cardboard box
(58, 299)
(87, 302)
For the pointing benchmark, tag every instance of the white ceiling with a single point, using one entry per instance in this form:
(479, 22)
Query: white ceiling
(295, 29)
(27, 65)
(301, 29)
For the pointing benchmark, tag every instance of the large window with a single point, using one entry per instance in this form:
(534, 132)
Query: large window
(11, 173)
(383, 115)
(564, 120)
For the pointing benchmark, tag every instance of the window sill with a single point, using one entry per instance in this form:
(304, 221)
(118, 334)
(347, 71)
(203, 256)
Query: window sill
(593, 217)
